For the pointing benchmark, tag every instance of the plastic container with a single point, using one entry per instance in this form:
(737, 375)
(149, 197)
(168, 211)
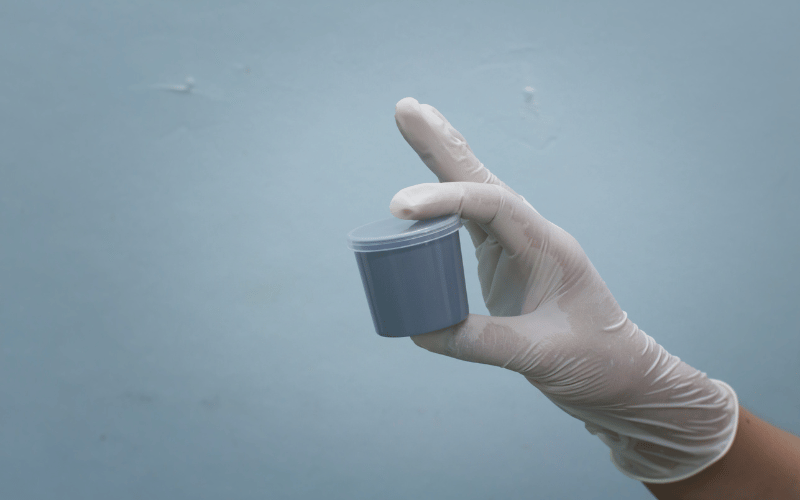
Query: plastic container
(412, 273)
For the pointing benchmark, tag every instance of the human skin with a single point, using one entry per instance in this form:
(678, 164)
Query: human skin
(763, 463)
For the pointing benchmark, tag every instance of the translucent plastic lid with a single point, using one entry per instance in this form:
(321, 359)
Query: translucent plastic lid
(394, 233)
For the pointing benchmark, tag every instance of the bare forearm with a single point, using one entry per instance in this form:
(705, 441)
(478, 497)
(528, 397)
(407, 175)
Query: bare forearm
(763, 463)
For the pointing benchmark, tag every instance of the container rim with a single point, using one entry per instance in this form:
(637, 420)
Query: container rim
(402, 233)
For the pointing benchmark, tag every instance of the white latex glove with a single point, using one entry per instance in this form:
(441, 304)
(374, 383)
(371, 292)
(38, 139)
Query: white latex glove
(554, 320)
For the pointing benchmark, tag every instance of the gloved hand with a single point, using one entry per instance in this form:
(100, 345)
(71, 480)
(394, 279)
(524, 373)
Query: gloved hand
(554, 320)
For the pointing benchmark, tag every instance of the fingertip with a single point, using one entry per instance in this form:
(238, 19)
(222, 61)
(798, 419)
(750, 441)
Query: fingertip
(401, 206)
(406, 106)
(424, 201)
(457, 341)
(435, 342)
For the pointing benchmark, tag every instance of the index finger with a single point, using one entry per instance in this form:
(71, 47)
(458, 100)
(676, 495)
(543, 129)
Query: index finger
(443, 149)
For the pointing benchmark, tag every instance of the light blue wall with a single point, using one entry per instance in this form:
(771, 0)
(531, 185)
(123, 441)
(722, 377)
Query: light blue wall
(180, 316)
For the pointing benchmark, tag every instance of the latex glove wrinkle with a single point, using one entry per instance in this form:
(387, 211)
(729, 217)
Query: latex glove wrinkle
(554, 320)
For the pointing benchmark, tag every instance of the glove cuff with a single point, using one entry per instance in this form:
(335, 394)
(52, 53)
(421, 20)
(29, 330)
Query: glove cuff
(652, 460)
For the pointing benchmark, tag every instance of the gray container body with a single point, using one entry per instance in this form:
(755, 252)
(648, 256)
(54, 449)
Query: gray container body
(416, 289)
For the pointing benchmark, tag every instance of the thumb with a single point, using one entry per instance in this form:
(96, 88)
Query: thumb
(506, 216)
(491, 340)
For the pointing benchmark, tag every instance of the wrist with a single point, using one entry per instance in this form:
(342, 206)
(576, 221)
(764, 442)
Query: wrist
(763, 462)
(698, 437)
(678, 457)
